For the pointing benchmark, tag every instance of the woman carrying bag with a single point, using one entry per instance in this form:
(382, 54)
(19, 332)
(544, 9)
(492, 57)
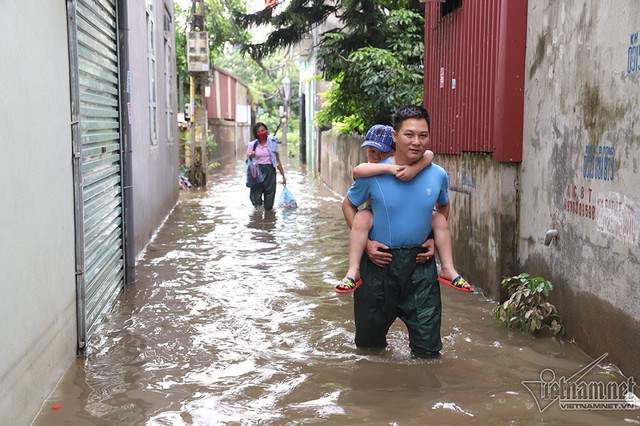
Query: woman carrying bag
(264, 149)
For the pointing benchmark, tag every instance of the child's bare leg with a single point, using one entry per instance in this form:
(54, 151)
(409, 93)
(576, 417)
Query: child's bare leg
(442, 238)
(358, 237)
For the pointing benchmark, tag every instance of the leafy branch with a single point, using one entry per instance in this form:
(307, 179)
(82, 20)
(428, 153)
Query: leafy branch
(527, 308)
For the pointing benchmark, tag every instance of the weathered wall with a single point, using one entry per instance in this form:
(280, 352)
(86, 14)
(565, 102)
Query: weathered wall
(483, 217)
(340, 154)
(37, 305)
(244, 135)
(231, 139)
(580, 169)
(155, 163)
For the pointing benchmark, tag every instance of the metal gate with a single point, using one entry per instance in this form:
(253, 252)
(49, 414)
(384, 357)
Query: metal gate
(93, 46)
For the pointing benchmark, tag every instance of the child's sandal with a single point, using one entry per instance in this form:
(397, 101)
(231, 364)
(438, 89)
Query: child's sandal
(348, 285)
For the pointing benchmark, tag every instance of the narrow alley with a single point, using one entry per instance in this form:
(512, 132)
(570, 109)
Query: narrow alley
(234, 320)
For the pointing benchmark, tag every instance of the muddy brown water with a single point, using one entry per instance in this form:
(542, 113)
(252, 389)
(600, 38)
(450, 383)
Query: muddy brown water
(234, 320)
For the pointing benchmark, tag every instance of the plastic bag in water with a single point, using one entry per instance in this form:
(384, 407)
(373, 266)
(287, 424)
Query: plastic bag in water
(287, 200)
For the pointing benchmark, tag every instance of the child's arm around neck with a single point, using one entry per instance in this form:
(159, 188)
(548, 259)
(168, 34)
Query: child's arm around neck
(372, 169)
(400, 171)
(409, 172)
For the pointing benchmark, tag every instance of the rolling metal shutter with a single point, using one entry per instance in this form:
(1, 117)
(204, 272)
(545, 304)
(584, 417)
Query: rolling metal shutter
(101, 269)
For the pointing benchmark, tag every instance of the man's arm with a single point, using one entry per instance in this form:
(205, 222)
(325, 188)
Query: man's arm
(372, 169)
(430, 244)
(374, 249)
(443, 209)
(349, 211)
(409, 172)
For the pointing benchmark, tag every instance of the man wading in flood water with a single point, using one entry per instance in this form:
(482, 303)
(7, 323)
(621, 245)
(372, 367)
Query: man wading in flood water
(400, 278)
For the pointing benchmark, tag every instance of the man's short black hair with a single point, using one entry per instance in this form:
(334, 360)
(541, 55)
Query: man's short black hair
(407, 112)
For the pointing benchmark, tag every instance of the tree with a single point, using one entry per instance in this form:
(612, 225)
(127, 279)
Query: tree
(263, 75)
(374, 57)
(222, 28)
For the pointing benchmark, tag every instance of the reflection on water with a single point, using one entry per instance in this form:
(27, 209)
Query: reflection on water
(234, 320)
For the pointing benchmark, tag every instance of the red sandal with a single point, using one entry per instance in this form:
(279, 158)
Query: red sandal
(458, 283)
(348, 285)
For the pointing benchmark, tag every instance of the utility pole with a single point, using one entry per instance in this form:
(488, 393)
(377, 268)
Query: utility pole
(286, 92)
(198, 67)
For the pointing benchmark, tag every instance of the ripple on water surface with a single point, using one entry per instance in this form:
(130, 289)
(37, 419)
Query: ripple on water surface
(234, 320)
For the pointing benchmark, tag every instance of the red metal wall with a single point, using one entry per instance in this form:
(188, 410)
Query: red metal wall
(221, 103)
(213, 101)
(474, 77)
(232, 97)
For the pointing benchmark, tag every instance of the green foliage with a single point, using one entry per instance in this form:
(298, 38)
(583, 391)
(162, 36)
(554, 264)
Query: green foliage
(263, 76)
(338, 110)
(527, 308)
(378, 80)
(293, 134)
(374, 56)
(181, 26)
(212, 166)
(222, 29)
(290, 26)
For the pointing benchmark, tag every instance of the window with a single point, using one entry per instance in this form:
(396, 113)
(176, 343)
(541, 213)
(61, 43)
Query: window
(449, 6)
(168, 81)
(167, 21)
(151, 58)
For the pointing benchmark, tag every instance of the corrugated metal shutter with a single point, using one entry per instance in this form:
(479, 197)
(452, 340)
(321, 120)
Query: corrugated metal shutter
(101, 166)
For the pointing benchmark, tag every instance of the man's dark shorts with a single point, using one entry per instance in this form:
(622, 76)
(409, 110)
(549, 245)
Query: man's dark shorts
(403, 289)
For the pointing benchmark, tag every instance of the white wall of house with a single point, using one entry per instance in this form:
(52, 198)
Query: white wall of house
(155, 159)
(37, 249)
(243, 103)
(580, 169)
(37, 306)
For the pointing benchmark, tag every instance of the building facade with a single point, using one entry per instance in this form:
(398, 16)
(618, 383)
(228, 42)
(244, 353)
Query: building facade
(89, 100)
(535, 120)
(579, 174)
(229, 114)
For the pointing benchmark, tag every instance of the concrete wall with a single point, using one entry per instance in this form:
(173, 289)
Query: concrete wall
(580, 168)
(231, 139)
(483, 218)
(37, 305)
(340, 154)
(224, 134)
(155, 166)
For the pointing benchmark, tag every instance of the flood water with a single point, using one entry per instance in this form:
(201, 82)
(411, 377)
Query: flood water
(234, 320)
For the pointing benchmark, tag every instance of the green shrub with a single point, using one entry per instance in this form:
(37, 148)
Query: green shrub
(527, 308)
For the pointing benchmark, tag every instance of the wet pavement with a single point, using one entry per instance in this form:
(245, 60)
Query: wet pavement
(234, 320)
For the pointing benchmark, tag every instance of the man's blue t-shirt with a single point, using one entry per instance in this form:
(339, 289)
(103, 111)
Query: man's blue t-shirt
(402, 210)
